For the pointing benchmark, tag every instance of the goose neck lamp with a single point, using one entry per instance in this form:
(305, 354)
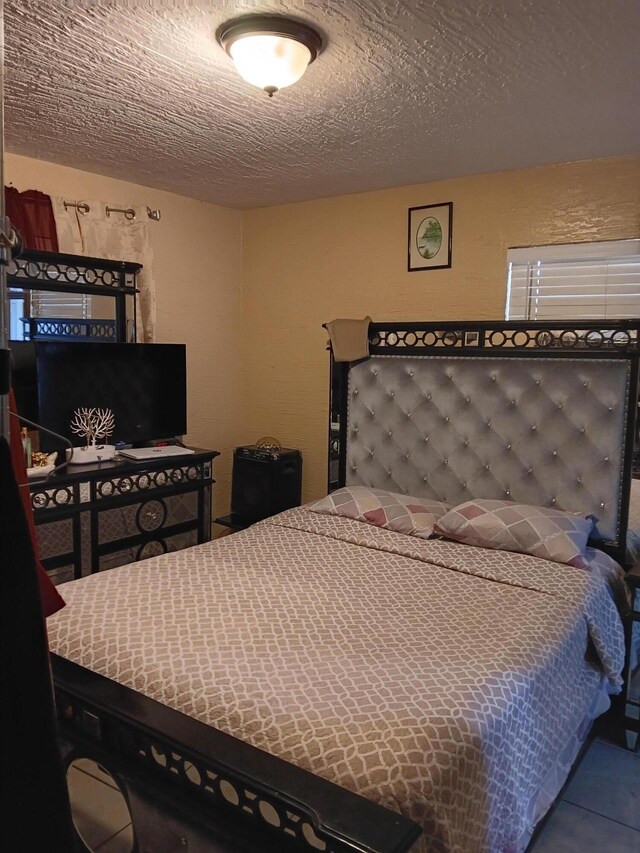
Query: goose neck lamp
(269, 51)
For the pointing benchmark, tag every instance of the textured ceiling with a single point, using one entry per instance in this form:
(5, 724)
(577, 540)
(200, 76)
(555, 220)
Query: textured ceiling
(405, 92)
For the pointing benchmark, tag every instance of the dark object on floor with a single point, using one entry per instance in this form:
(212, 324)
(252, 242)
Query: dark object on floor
(265, 482)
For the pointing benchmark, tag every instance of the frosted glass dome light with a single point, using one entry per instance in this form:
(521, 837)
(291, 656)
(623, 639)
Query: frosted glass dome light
(270, 62)
(270, 52)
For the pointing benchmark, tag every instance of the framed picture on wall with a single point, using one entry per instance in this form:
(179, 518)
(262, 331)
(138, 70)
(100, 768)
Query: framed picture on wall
(430, 230)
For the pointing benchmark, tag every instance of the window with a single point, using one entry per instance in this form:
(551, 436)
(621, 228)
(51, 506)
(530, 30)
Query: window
(587, 281)
(45, 303)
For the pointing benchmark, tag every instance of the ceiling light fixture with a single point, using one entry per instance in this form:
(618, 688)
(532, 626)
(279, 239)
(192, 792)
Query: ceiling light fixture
(269, 51)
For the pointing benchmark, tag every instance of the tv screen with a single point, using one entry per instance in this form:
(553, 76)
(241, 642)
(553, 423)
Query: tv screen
(144, 385)
(24, 380)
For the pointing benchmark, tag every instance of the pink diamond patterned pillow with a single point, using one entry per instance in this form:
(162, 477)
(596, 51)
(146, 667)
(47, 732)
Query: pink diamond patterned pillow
(401, 513)
(506, 526)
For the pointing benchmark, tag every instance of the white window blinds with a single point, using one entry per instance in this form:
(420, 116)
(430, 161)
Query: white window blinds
(588, 281)
(66, 306)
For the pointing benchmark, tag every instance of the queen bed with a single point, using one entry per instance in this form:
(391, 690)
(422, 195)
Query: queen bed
(337, 678)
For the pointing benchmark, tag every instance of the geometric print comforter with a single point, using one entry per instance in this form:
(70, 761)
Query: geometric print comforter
(437, 679)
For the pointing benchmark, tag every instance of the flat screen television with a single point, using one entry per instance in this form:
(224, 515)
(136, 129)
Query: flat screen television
(144, 385)
(24, 380)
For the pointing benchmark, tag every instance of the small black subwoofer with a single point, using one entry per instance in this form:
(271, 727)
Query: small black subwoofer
(265, 482)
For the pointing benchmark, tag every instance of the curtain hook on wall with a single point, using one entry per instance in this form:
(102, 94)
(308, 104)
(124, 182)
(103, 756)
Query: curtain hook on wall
(129, 212)
(153, 214)
(81, 206)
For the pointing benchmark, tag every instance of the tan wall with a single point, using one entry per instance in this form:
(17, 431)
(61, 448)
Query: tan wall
(197, 266)
(307, 263)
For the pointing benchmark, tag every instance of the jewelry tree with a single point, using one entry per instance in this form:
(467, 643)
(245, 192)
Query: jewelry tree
(92, 425)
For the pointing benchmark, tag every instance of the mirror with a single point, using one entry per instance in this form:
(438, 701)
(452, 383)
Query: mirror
(41, 314)
(100, 811)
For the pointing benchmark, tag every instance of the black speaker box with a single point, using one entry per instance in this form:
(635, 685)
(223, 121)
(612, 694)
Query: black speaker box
(265, 482)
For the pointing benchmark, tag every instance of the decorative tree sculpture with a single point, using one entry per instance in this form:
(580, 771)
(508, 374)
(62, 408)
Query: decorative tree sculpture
(92, 424)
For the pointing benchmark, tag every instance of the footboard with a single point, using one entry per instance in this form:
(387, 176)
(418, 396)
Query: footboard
(190, 786)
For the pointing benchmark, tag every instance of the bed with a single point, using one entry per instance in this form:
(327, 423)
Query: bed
(321, 683)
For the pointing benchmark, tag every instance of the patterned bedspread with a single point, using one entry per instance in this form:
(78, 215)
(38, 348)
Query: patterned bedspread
(437, 679)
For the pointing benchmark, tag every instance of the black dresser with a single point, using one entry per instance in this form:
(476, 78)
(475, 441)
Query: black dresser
(94, 517)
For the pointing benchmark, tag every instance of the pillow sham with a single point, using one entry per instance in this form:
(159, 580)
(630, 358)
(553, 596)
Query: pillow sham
(389, 510)
(507, 526)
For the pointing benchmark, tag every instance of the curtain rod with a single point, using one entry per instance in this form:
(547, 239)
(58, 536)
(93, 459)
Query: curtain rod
(129, 212)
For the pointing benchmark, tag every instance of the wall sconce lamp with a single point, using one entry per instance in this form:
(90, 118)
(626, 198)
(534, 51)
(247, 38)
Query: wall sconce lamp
(269, 51)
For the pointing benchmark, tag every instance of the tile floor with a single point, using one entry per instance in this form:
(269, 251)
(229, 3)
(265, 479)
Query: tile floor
(599, 811)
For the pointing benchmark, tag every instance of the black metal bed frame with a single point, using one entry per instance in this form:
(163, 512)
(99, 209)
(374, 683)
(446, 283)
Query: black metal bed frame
(206, 784)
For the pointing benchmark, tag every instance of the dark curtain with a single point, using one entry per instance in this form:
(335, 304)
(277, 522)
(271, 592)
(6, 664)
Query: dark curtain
(49, 595)
(31, 213)
(33, 776)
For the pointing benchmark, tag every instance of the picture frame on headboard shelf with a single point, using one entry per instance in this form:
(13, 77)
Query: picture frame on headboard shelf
(430, 237)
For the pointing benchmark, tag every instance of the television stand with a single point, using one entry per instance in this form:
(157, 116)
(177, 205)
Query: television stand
(96, 517)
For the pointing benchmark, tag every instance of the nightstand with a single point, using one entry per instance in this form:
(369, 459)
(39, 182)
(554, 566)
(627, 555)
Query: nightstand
(632, 677)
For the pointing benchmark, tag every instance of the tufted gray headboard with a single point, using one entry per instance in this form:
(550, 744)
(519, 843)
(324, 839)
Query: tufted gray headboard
(455, 411)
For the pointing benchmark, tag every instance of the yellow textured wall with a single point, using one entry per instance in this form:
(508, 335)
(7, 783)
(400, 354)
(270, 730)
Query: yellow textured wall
(197, 270)
(307, 263)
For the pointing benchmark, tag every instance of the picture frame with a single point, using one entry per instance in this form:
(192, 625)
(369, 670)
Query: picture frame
(430, 237)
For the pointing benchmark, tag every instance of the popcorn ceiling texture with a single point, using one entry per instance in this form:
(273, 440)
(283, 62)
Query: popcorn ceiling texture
(406, 92)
